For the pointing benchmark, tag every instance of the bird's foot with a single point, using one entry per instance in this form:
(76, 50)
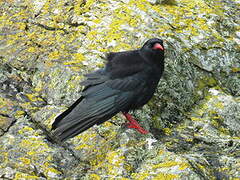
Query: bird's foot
(134, 124)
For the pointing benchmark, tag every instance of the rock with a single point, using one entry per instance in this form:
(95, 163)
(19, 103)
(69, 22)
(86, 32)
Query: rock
(46, 47)
(207, 137)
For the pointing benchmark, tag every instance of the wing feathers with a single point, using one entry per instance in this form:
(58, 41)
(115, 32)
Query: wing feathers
(101, 111)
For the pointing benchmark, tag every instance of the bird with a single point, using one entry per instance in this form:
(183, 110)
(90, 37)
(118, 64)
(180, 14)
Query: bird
(126, 83)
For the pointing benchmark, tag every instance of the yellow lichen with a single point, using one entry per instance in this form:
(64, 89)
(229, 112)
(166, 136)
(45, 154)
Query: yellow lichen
(180, 15)
(219, 105)
(31, 49)
(24, 160)
(54, 55)
(164, 176)
(3, 120)
(83, 146)
(183, 166)
(195, 119)
(51, 170)
(39, 86)
(94, 177)
(78, 58)
(19, 113)
(167, 131)
(107, 124)
(4, 102)
(34, 97)
(25, 129)
(21, 176)
(235, 69)
(141, 175)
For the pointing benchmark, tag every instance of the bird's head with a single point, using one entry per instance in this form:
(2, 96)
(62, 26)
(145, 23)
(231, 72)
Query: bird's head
(153, 50)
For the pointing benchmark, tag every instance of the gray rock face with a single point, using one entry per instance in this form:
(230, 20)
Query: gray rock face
(194, 119)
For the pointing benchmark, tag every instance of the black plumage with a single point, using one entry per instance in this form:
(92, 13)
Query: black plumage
(127, 82)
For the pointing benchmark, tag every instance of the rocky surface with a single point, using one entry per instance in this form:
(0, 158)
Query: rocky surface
(194, 117)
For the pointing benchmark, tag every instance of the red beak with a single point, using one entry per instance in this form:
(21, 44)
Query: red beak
(158, 46)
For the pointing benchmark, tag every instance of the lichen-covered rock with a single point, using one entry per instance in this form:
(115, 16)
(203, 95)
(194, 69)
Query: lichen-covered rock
(208, 139)
(5, 119)
(194, 119)
(25, 153)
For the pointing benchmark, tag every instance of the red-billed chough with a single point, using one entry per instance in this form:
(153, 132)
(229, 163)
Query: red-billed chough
(127, 82)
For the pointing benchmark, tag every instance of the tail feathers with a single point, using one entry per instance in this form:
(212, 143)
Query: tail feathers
(84, 116)
(69, 130)
(65, 113)
(65, 131)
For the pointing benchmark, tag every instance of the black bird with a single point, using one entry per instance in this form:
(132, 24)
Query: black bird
(127, 82)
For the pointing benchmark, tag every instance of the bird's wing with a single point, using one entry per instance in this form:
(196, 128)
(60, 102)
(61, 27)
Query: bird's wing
(94, 78)
(99, 103)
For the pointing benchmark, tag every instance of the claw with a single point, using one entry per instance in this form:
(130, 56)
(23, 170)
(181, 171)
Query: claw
(134, 124)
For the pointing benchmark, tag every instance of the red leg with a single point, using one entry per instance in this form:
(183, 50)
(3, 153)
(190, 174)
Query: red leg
(134, 124)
